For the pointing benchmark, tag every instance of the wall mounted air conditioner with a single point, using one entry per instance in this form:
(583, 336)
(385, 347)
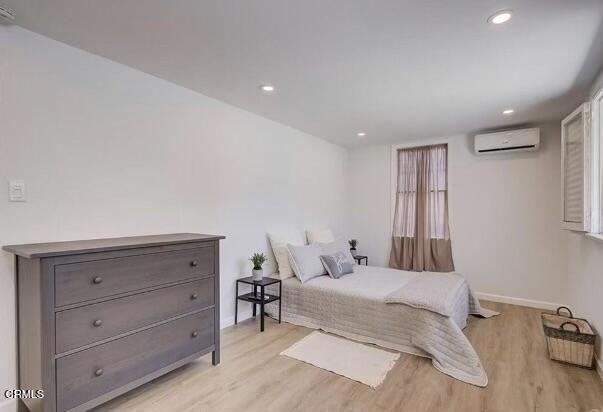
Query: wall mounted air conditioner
(520, 140)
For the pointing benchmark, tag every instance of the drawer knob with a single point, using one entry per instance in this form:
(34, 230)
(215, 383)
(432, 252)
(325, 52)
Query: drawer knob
(99, 372)
(194, 296)
(97, 322)
(194, 263)
(97, 280)
(195, 334)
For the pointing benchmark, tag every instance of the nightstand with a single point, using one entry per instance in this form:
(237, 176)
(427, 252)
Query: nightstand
(359, 259)
(258, 298)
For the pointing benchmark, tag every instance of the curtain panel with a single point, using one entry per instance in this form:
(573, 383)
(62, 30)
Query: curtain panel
(421, 235)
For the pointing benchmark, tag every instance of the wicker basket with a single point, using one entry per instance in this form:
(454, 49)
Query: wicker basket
(570, 340)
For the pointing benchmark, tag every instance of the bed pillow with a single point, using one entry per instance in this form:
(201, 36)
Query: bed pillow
(337, 246)
(337, 264)
(281, 253)
(320, 236)
(306, 262)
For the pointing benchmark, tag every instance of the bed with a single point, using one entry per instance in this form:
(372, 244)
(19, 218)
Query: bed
(355, 307)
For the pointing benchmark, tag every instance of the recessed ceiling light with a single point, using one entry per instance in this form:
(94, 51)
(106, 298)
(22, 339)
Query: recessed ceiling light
(508, 111)
(267, 88)
(361, 134)
(500, 17)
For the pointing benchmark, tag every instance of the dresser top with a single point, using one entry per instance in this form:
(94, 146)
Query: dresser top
(41, 250)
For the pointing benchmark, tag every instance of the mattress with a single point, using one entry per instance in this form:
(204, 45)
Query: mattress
(354, 307)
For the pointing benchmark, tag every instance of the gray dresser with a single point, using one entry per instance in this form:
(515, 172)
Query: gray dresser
(97, 318)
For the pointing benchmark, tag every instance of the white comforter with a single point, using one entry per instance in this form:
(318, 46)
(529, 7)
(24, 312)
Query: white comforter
(437, 292)
(354, 306)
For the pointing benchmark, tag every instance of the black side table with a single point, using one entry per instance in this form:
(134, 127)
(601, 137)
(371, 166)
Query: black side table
(359, 259)
(258, 299)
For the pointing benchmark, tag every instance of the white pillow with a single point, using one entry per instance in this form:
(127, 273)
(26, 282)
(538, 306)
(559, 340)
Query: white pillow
(337, 246)
(306, 261)
(281, 253)
(320, 236)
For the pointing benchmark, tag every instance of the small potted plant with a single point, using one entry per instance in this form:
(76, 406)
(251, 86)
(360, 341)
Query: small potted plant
(353, 243)
(258, 259)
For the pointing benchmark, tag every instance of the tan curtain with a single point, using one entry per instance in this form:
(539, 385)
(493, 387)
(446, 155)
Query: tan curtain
(421, 237)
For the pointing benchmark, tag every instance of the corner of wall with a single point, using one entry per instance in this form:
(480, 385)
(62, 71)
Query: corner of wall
(229, 321)
(598, 84)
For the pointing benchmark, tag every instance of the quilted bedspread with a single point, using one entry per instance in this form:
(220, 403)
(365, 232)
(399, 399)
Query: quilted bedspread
(437, 292)
(355, 307)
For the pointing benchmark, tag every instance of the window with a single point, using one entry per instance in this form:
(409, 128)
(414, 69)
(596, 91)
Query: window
(420, 235)
(411, 172)
(582, 168)
(576, 153)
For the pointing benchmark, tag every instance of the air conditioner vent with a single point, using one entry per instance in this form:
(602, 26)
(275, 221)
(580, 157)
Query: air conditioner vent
(521, 140)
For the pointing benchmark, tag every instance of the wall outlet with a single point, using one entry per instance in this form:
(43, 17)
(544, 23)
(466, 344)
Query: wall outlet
(16, 191)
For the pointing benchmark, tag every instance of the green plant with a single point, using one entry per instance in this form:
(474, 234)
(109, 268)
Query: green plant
(258, 260)
(353, 243)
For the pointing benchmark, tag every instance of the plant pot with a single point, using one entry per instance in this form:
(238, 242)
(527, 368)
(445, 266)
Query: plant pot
(258, 274)
(353, 251)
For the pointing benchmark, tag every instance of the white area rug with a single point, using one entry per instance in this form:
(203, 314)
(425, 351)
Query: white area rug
(353, 360)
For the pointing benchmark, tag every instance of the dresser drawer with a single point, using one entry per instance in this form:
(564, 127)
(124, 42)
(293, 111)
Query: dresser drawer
(92, 323)
(79, 282)
(88, 374)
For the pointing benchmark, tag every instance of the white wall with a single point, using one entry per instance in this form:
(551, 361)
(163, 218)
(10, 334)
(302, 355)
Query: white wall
(504, 215)
(585, 273)
(109, 151)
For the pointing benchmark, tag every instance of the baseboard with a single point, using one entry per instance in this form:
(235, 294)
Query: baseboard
(8, 405)
(538, 304)
(599, 366)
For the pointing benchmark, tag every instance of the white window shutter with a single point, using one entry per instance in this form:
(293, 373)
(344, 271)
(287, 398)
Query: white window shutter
(575, 168)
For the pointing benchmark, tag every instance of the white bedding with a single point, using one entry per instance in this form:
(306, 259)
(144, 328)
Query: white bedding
(354, 307)
(436, 292)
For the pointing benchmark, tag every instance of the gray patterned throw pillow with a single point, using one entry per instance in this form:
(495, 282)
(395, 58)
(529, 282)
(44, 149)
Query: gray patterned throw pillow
(337, 264)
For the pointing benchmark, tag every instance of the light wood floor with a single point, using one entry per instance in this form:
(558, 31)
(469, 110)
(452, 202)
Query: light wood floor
(254, 377)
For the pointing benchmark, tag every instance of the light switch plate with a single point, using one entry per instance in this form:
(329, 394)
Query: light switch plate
(16, 191)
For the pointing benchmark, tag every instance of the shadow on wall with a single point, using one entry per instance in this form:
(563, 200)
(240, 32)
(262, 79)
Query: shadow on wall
(580, 90)
(581, 87)
(592, 66)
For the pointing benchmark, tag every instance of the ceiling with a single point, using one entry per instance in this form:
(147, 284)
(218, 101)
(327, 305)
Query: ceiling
(395, 69)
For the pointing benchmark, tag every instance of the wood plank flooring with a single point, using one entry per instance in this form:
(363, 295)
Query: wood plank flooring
(254, 377)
